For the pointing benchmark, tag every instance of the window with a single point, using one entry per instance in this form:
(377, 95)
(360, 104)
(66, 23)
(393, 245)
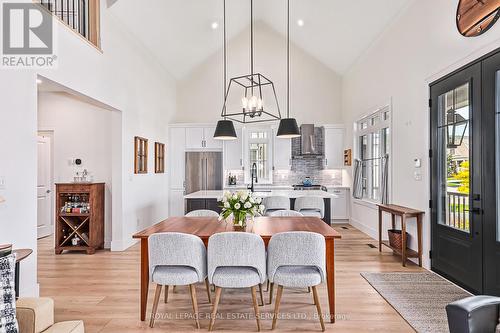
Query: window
(258, 151)
(82, 16)
(140, 155)
(159, 157)
(373, 143)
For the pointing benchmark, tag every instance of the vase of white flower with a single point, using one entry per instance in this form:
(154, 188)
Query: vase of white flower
(240, 205)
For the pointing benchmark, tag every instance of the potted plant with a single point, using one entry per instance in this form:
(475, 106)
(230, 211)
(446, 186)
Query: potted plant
(240, 205)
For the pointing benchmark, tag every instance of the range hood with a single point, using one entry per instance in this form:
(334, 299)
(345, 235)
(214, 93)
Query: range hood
(310, 144)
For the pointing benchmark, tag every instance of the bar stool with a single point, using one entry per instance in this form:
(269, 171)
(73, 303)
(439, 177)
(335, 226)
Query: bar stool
(274, 203)
(310, 206)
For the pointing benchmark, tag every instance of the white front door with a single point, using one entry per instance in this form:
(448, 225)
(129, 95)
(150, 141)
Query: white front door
(44, 188)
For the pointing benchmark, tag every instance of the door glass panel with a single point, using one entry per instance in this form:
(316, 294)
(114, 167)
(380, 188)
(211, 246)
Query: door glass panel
(497, 140)
(454, 154)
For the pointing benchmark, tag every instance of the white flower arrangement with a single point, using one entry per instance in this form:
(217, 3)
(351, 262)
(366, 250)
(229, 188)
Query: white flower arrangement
(240, 205)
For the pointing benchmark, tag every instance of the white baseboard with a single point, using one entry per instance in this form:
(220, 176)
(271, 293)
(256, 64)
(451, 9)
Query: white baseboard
(122, 245)
(373, 233)
(339, 221)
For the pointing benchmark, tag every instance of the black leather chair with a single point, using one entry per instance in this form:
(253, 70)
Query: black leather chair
(476, 314)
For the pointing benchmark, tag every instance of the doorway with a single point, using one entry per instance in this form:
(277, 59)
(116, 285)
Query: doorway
(465, 176)
(45, 225)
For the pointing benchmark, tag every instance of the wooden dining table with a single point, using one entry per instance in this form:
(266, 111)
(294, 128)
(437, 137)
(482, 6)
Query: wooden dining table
(266, 227)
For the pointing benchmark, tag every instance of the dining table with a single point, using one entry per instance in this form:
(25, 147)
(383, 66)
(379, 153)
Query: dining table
(266, 227)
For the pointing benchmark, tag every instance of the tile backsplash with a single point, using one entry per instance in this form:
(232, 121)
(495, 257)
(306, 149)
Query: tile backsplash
(300, 170)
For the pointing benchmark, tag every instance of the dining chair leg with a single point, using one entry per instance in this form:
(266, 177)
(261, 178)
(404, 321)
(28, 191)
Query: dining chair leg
(218, 291)
(271, 291)
(256, 306)
(261, 295)
(207, 285)
(267, 286)
(318, 308)
(192, 290)
(166, 294)
(277, 305)
(173, 289)
(155, 305)
(309, 289)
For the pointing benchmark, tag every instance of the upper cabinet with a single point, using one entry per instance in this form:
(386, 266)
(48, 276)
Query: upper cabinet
(201, 138)
(334, 147)
(176, 156)
(282, 153)
(233, 152)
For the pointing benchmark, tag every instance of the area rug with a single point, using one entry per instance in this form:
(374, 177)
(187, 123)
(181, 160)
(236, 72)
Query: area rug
(420, 298)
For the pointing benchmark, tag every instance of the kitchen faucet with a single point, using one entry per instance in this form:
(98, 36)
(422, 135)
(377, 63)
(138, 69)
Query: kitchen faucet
(253, 175)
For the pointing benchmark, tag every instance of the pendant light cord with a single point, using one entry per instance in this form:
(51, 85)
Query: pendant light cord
(225, 58)
(251, 42)
(288, 61)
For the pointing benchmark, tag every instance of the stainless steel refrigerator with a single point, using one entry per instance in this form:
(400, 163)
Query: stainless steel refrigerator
(203, 171)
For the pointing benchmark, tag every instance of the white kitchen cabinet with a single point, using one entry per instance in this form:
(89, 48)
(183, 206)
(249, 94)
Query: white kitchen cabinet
(334, 147)
(176, 202)
(282, 153)
(233, 152)
(201, 138)
(176, 156)
(340, 204)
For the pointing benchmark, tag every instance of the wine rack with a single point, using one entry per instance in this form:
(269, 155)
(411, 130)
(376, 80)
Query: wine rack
(79, 217)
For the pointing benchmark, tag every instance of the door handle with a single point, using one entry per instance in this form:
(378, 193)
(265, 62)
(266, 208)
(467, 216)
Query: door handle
(473, 210)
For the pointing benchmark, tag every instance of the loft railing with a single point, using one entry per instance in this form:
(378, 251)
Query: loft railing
(82, 16)
(457, 211)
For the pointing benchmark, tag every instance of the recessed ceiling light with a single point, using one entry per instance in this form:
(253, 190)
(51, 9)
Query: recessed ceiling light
(39, 81)
(300, 22)
(214, 25)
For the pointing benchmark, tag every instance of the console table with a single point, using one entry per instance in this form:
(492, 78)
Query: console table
(404, 213)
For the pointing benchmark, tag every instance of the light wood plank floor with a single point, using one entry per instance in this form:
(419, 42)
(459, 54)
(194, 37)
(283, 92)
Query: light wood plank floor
(103, 290)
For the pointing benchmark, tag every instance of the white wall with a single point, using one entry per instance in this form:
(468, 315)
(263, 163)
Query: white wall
(420, 46)
(314, 90)
(125, 77)
(79, 130)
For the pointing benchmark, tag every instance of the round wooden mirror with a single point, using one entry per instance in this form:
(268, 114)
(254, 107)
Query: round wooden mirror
(474, 17)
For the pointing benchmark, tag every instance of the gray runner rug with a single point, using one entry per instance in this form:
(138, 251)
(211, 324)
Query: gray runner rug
(420, 298)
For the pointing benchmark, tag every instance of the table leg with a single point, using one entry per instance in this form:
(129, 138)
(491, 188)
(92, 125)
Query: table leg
(330, 276)
(16, 280)
(379, 230)
(419, 236)
(144, 277)
(393, 221)
(403, 237)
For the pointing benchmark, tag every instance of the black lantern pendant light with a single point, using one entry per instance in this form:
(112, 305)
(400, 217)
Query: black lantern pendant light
(251, 89)
(288, 128)
(225, 128)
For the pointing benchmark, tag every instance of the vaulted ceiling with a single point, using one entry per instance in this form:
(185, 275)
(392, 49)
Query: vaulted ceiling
(179, 33)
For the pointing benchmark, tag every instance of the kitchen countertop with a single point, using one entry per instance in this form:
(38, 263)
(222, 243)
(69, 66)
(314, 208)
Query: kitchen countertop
(285, 193)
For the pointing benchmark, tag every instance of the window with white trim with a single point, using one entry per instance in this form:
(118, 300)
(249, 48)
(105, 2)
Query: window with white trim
(373, 141)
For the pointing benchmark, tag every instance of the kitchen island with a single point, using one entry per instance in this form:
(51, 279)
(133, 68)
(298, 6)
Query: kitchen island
(208, 199)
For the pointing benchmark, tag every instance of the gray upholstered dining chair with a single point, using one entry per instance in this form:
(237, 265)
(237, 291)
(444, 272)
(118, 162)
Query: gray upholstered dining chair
(202, 213)
(177, 259)
(296, 259)
(274, 203)
(285, 213)
(310, 206)
(236, 260)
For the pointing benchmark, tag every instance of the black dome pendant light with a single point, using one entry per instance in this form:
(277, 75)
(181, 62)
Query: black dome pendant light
(288, 127)
(225, 128)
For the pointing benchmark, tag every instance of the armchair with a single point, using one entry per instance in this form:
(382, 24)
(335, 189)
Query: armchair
(36, 315)
(474, 314)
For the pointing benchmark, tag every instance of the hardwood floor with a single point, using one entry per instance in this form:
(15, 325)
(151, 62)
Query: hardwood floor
(103, 290)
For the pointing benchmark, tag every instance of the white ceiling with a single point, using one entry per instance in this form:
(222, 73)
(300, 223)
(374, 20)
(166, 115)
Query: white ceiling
(179, 34)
